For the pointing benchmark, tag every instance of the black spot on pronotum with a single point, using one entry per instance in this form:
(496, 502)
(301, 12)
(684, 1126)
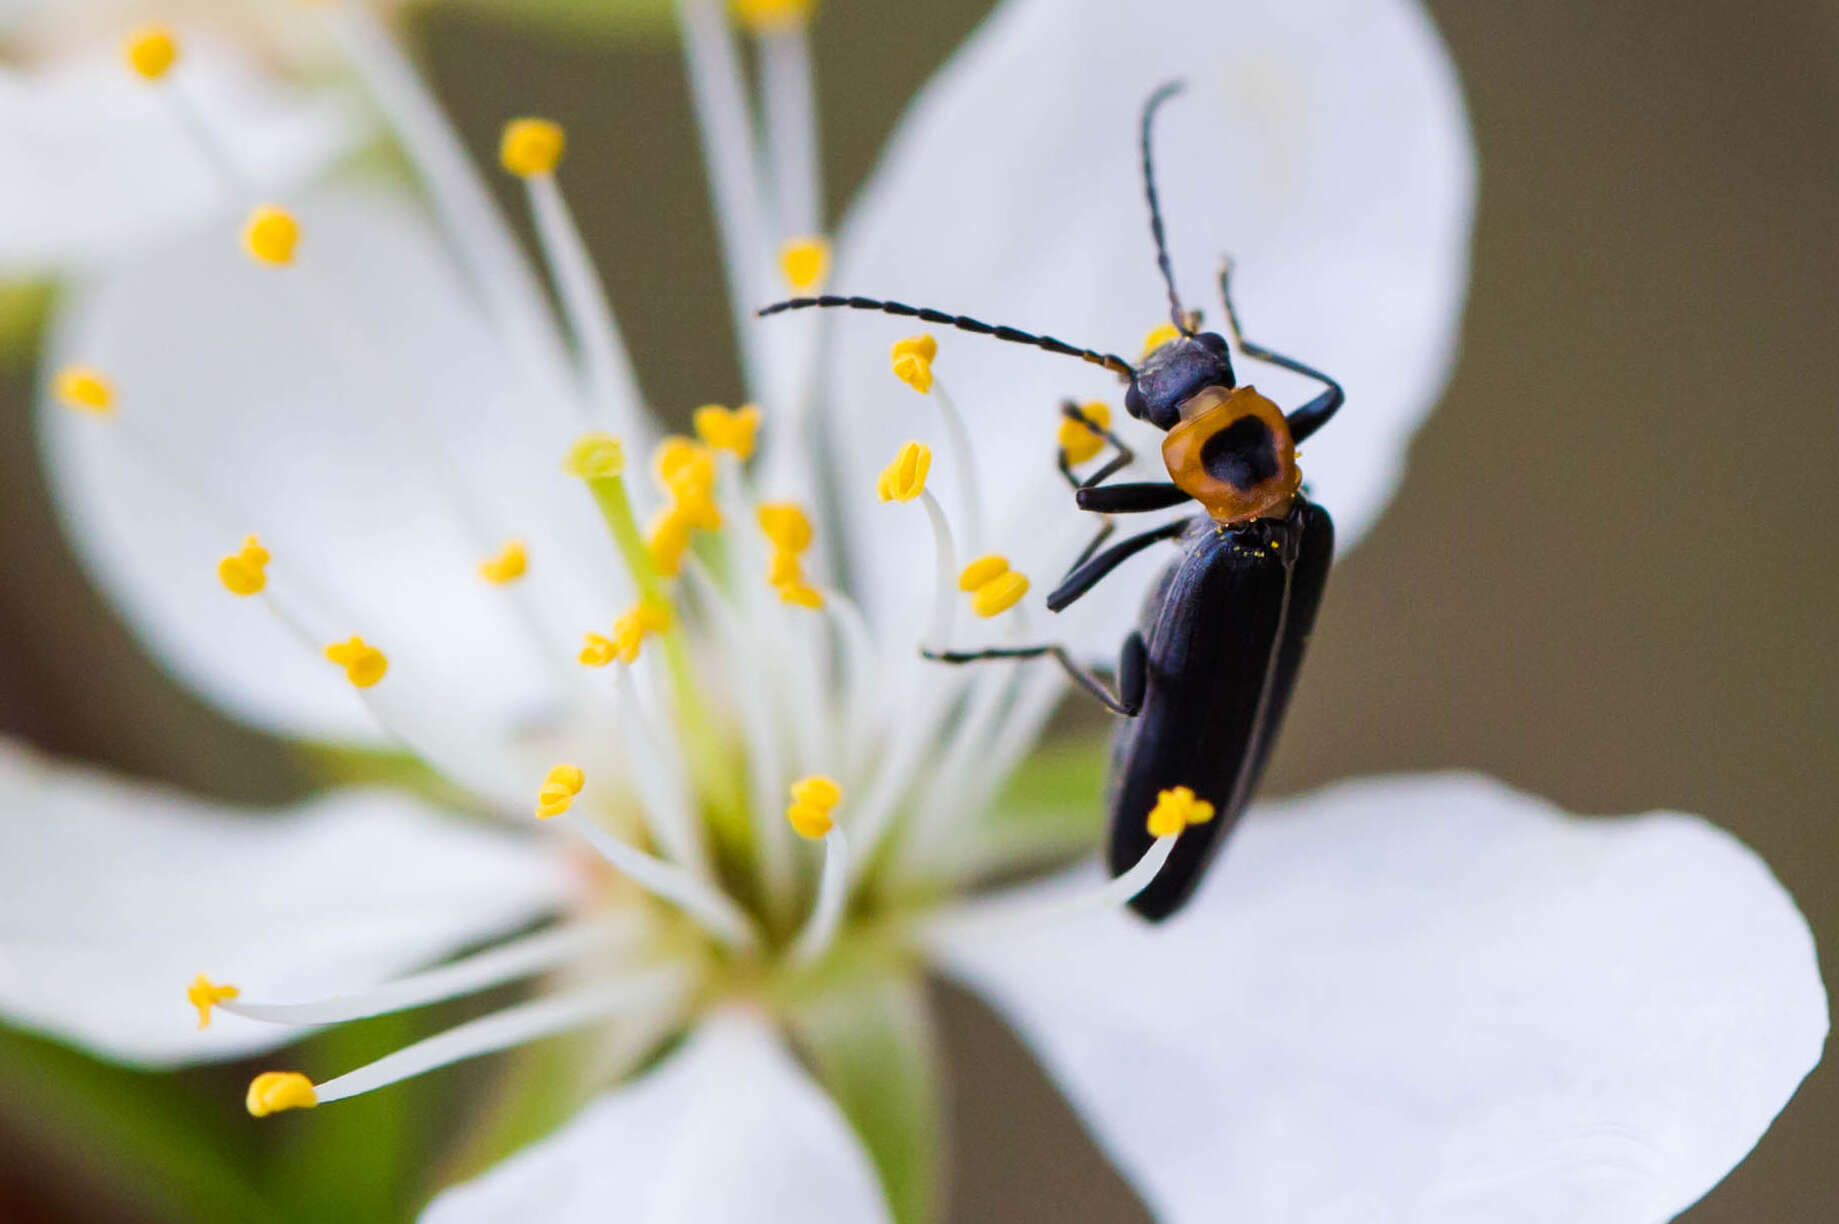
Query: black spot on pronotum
(1243, 455)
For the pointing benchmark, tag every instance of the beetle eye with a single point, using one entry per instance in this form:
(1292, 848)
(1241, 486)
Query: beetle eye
(1243, 455)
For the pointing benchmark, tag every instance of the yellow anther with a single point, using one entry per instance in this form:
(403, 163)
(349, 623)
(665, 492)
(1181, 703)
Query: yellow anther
(769, 16)
(244, 572)
(905, 478)
(85, 389)
(560, 786)
(696, 506)
(531, 147)
(270, 235)
(508, 566)
(683, 464)
(274, 1091)
(595, 456)
(912, 361)
(151, 52)
(1175, 810)
(1158, 336)
(993, 585)
(667, 540)
(813, 799)
(205, 994)
(1078, 442)
(596, 651)
(784, 567)
(638, 623)
(728, 430)
(364, 664)
(786, 525)
(805, 262)
(800, 594)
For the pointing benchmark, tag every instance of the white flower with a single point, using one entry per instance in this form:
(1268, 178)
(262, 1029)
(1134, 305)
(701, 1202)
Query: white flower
(1412, 999)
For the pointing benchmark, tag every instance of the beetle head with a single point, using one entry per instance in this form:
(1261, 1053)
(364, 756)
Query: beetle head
(1174, 373)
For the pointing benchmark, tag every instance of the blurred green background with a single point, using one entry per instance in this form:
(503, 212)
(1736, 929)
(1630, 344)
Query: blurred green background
(1608, 577)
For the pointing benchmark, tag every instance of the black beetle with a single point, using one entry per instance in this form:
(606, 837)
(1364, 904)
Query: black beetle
(1205, 677)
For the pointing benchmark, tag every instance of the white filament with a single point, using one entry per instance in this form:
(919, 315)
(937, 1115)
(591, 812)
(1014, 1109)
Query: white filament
(1012, 915)
(719, 915)
(832, 892)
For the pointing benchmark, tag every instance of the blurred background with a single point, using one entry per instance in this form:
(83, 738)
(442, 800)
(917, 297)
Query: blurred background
(1607, 579)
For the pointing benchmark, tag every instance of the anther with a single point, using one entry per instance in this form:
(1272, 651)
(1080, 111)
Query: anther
(595, 456)
(204, 994)
(596, 651)
(667, 539)
(557, 794)
(911, 360)
(530, 148)
(731, 430)
(244, 572)
(1175, 810)
(1078, 441)
(270, 235)
(786, 525)
(813, 800)
(274, 1091)
(1158, 336)
(905, 478)
(994, 587)
(151, 51)
(772, 16)
(800, 594)
(682, 464)
(805, 262)
(507, 566)
(85, 389)
(638, 623)
(364, 664)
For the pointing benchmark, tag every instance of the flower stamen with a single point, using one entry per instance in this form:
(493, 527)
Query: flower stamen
(812, 816)
(994, 588)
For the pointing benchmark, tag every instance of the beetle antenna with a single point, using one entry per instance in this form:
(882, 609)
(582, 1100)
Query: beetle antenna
(1110, 361)
(1183, 323)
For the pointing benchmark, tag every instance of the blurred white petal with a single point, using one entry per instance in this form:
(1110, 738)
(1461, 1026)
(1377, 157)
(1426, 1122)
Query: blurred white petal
(729, 1128)
(1429, 999)
(386, 479)
(97, 168)
(1324, 145)
(115, 895)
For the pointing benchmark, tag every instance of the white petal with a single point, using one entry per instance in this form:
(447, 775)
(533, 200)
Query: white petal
(1430, 999)
(728, 1129)
(1324, 145)
(387, 477)
(96, 166)
(114, 896)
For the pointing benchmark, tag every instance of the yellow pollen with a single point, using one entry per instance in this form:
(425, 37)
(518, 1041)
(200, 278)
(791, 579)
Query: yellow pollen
(595, 456)
(912, 361)
(1158, 336)
(560, 786)
(270, 235)
(274, 1091)
(667, 540)
(364, 664)
(205, 994)
(85, 389)
(993, 585)
(638, 623)
(508, 566)
(682, 464)
(151, 51)
(728, 430)
(530, 148)
(813, 799)
(1080, 443)
(1175, 810)
(905, 478)
(596, 651)
(771, 16)
(244, 572)
(800, 593)
(805, 262)
(786, 525)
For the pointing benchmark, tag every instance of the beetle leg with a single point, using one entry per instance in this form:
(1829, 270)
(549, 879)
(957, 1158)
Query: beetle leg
(1137, 497)
(1088, 575)
(1105, 529)
(1312, 415)
(1132, 674)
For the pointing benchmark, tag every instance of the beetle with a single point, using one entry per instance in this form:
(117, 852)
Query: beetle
(1204, 678)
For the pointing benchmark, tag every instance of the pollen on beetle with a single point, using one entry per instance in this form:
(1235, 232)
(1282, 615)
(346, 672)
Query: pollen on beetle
(1175, 810)
(274, 1091)
(85, 389)
(770, 16)
(805, 262)
(507, 566)
(245, 571)
(204, 994)
(560, 786)
(730, 430)
(813, 800)
(595, 456)
(911, 360)
(151, 51)
(994, 587)
(531, 147)
(270, 235)
(364, 664)
(905, 478)
(1158, 336)
(1079, 441)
